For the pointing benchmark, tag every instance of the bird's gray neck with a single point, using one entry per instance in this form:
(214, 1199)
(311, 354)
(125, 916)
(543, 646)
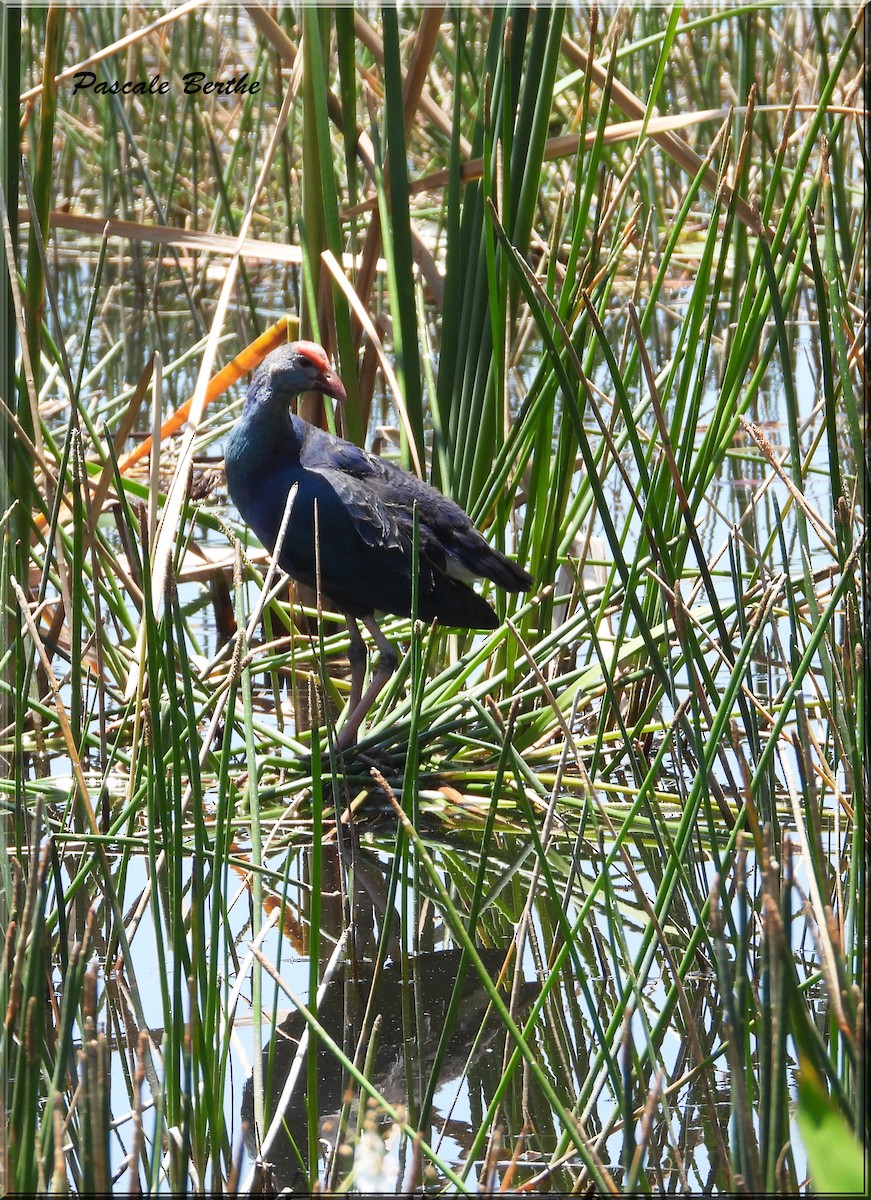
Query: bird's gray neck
(266, 411)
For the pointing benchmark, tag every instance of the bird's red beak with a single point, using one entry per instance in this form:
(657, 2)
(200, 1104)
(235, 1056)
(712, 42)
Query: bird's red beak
(330, 384)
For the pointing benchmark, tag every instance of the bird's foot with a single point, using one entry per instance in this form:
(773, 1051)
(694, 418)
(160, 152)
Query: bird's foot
(382, 760)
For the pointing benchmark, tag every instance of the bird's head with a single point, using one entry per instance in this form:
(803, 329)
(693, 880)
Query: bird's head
(295, 368)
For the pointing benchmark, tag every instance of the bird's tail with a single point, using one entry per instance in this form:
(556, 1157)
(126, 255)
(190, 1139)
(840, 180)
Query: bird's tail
(455, 604)
(492, 564)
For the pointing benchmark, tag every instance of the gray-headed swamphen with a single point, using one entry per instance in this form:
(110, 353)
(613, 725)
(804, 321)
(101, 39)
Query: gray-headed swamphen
(365, 520)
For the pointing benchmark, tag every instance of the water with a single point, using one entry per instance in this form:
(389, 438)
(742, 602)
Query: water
(612, 953)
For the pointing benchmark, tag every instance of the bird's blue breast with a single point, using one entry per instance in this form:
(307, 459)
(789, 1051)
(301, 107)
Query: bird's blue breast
(261, 468)
(259, 462)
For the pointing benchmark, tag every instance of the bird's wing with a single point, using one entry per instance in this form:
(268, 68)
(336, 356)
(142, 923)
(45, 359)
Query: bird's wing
(373, 521)
(380, 495)
(398, 489)
(386, 495)
(379, 523)
(321, 451)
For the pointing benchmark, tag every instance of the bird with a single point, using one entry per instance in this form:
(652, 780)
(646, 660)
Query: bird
(362, 508)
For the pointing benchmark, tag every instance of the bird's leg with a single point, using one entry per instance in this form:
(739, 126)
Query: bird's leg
(387, 662)
(357, 659)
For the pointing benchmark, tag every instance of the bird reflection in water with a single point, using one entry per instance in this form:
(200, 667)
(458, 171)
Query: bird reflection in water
(341, 1013)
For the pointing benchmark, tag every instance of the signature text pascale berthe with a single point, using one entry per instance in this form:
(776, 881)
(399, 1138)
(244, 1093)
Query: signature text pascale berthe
(194, 81)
